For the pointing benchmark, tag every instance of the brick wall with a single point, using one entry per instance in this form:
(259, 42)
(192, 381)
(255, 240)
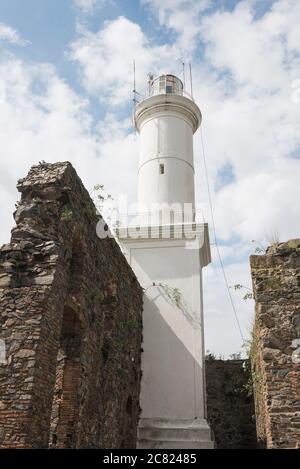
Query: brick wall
(276, 345)
(71, 322)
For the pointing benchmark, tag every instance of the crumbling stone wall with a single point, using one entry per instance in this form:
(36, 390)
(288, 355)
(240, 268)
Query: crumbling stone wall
(276, 345)
(230, 403)
(71, 322)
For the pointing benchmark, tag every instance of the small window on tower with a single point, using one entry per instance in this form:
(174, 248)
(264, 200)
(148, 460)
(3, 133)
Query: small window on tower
(162, 169)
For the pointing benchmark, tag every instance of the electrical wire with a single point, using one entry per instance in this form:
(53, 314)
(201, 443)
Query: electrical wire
(216, 242)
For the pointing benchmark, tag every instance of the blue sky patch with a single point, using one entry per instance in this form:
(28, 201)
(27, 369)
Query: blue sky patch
(225, 176)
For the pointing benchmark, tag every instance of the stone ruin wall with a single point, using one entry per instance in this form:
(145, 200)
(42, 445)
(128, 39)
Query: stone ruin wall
(275, 350)
(71, 323)
(230, 403)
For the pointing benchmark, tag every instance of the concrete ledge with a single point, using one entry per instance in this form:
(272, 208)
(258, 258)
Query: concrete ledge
(169, 434)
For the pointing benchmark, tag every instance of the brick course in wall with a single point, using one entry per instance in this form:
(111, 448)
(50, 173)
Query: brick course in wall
(71, 322)
(276, 345)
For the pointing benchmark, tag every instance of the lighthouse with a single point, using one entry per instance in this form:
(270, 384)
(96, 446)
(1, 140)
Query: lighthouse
(166, 122)
(168, 248)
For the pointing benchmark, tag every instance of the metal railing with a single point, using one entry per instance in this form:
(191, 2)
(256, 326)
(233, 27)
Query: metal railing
(138, 98)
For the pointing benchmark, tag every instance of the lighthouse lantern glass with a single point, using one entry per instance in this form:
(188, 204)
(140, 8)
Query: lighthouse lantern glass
(165, 84)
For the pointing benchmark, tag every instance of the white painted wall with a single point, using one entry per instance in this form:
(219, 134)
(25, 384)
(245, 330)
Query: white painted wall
(172, 361)
(167, 140)
(166, 124)
(173, 357)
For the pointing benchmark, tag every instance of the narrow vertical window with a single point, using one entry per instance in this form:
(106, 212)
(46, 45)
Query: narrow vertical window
(162, 169)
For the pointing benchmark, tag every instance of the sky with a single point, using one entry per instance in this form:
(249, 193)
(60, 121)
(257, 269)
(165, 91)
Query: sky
(66, 94)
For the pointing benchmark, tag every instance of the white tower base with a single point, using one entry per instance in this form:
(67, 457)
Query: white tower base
(168, 265)
(174, 434)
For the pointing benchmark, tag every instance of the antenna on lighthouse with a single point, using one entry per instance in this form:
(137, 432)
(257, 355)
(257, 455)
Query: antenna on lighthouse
(134, 90)
(150, 79)
(183, 74)
(134, 95)
(191, 79)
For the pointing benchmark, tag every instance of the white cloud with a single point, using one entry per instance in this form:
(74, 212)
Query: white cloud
(244, 88)
(106, 59)
(250, 119)
(41, 118)
(88, 6)
(9, 34)
(181, 16)
(266, 49)
(222, 333)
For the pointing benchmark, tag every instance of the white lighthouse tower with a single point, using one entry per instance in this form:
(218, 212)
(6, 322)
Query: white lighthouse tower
(166, 122)
(167, 251)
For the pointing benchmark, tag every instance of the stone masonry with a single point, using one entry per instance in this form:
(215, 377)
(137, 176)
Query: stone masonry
(275, 350)
(71, 323)
(230, 403)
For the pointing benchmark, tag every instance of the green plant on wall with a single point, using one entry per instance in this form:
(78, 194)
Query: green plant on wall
(259, 249)
(104, 204)
(122, 373)
(270, 283)
(100, 197)
(271, 238)
(247, 388)
(248, 295)
(66, 214)
(175, 297)
(293, 244)
(174, 294)
(255, 379)
(235, 356)
(210, 356)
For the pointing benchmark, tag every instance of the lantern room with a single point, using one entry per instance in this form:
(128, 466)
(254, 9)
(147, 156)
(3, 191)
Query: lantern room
(165, 84)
